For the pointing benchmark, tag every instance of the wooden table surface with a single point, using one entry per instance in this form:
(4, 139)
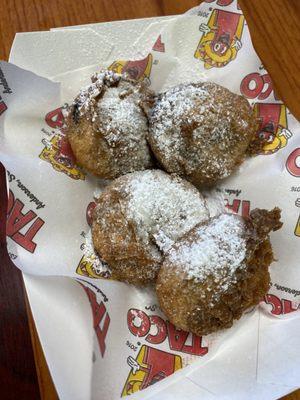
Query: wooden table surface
(23, 369)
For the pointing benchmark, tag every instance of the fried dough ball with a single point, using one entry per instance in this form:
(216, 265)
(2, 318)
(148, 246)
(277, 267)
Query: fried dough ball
(107, 126)
(217, 271)
(201, 131)
(138, 217)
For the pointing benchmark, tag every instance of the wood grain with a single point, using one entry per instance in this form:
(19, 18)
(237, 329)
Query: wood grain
(292, 396)
(34, 15)
(275, 30)
(275, 22)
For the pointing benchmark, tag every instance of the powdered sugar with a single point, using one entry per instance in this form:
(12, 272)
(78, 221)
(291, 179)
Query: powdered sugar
(113, 105)
(215, 251)
(119, 116)
(215, 201)
(98, 266)
(164, 208)
(179, 101)
(167, 117)
(88, 94)
(191, 130)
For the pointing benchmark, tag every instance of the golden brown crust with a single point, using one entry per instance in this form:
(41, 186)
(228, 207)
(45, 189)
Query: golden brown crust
(107, 126)
(249, 290)
(201, 131)
(90, 153)
(115, 238)
(256, 145)
(137, 216)
(191, 305)
(265, 221)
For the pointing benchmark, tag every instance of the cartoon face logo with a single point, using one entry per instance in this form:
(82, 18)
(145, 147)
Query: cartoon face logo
(150, 366)
(137, 70)
(221, 39)
(59, 154)
(272, 126)
(58, 151)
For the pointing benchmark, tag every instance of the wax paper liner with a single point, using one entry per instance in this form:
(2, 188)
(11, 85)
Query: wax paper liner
(50, 198)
